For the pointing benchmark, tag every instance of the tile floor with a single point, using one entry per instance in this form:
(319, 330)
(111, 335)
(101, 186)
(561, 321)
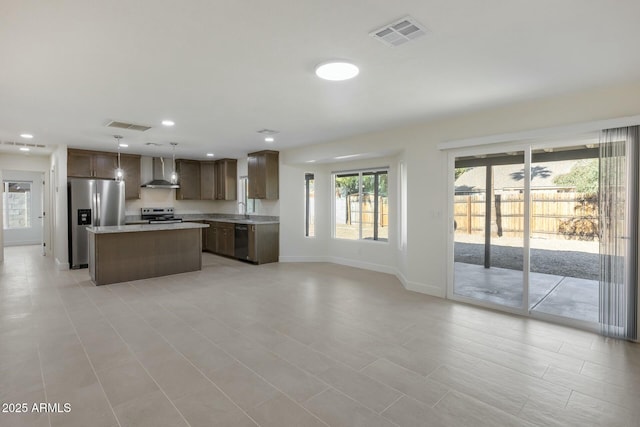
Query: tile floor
(291, 345)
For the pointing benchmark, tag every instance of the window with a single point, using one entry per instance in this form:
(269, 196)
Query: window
(361, 205)
(16, 198)
(243, 199)
(309, 193)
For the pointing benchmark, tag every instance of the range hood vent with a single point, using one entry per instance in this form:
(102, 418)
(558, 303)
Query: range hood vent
(159, 180)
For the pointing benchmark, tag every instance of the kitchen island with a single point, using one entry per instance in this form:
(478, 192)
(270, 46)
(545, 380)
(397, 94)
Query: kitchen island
(132, 252)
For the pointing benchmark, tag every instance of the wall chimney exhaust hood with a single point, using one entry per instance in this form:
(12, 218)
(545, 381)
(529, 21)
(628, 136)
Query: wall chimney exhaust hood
(159, 180)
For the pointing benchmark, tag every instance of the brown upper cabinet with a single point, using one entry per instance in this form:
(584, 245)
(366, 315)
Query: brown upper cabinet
(263, 175)
(189, 179)
(91, 164)
(207, 181)
(218, 179)
(226, 178)
(130, 165)
(99, 164)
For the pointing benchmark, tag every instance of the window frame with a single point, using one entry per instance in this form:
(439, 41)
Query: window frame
(243, 196)
(308, 176)
(5, 205)
(360, 173)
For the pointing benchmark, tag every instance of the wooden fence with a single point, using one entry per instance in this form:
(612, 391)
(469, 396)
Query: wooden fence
(553, 215)
(352, 206)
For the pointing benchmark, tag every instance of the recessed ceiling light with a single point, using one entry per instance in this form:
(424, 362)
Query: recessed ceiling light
(123, 145)
(25, 149)
(26, 135)
(168, 123)
(311, 161)
(337, 70)
(346, 157)
(269, 139)
(210, 154)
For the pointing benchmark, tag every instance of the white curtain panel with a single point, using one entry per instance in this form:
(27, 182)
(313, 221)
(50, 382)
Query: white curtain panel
(618, 222)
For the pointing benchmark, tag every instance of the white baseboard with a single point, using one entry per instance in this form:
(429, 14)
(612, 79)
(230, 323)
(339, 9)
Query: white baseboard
(362, 264)
(408, 285)
(22, 243)
(303, 259)
(423, 288)
(61, 265)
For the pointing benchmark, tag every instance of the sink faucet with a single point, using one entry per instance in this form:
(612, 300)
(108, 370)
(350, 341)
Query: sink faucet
(246, 215)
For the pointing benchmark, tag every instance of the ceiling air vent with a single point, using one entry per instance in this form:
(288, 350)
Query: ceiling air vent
(399, 32)
(23, 144)
(129, 126)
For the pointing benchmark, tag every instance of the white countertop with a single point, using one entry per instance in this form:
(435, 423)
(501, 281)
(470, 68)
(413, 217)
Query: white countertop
(134, 228)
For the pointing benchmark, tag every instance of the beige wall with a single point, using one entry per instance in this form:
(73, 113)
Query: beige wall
(422, 265)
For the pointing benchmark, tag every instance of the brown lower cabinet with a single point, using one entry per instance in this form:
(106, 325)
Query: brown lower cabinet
(264, 243)
(219, 239)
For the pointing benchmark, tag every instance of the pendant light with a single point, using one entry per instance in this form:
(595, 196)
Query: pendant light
(119, 172)
(174, 174)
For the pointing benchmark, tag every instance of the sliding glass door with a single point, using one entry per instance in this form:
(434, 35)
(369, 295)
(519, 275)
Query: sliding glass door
(564, 236)
(489, 229)
(550, 229)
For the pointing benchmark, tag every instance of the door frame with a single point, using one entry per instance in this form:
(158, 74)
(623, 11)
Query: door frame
(494, 142)
(524, 310)
(47, 222)
(33, 234)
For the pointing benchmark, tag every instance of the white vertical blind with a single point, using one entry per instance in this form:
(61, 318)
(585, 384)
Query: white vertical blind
(619, 232)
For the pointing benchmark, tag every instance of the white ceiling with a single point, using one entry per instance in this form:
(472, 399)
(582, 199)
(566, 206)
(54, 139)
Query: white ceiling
(224, 69)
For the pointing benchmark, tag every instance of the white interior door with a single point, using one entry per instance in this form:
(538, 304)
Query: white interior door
(22, 194)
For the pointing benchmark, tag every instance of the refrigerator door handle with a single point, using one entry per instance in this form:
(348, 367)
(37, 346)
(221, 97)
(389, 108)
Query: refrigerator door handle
(96, 209)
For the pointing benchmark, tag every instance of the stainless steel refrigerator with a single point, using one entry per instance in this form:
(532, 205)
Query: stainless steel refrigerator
(92, 202)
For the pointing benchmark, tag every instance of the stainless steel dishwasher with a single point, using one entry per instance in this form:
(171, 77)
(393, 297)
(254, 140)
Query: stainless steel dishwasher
(241, 241)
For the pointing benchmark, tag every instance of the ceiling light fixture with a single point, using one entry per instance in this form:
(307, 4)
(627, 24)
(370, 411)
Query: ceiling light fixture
(210, 154)
(26, 135)
(269, 139)
(123, 145)
(337, 70)
(25, 149)
(168, 123)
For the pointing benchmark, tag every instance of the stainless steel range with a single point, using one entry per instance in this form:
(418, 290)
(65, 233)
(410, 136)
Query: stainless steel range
(159, 215)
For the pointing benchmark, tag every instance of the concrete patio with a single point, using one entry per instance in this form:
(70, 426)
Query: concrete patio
(569, 297)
